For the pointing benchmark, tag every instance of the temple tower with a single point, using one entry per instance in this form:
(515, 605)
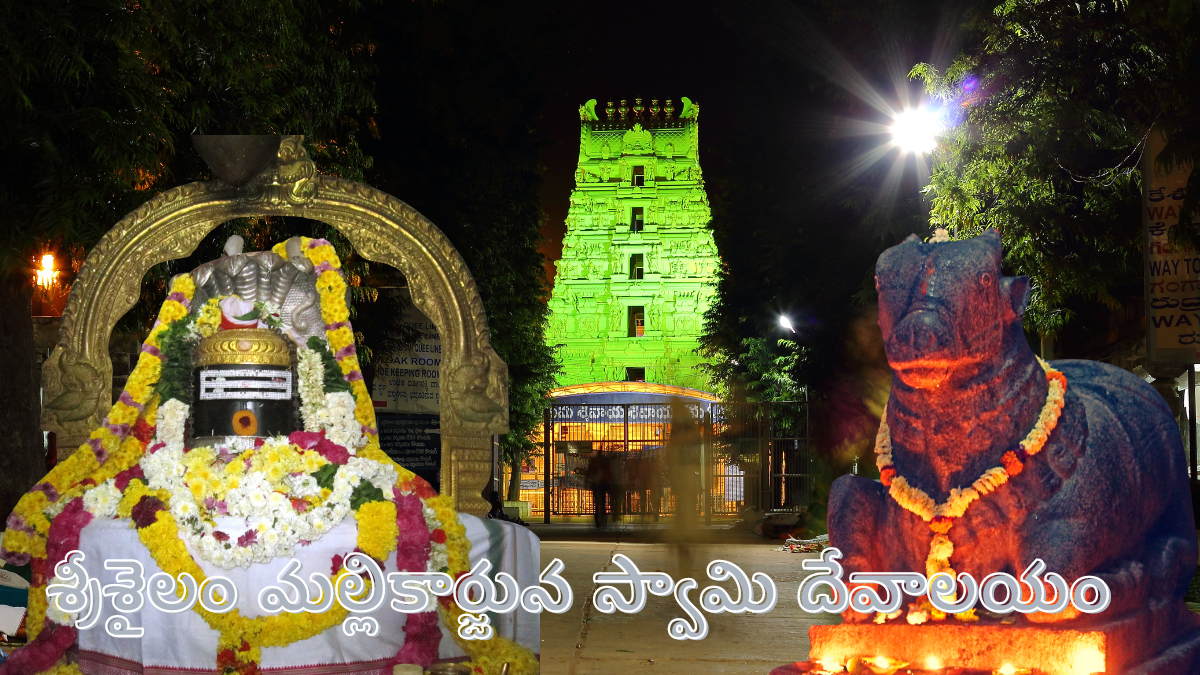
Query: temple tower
(639, 262)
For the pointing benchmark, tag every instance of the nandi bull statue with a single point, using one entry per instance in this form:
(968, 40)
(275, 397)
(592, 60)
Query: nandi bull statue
(990, 458)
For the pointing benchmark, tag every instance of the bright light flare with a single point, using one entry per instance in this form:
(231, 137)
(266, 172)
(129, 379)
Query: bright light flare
(47, 275)
(916, 130)
(933, 663)
(1007, 669)
(1087, 660)
(786, 323)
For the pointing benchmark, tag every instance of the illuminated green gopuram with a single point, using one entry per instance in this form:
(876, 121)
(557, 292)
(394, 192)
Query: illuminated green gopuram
(639, 262)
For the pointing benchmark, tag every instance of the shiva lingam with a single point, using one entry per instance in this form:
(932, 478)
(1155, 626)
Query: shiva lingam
(243, 385)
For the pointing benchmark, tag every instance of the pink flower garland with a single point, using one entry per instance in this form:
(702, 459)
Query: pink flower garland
(421, 633)
(53, 642)
(41, 654)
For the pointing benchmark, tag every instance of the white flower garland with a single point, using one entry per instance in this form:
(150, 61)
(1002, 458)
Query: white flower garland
(310, 374)
(439, 554)
(331, 412)
(101, 501)
(336, 419)
(264, 509)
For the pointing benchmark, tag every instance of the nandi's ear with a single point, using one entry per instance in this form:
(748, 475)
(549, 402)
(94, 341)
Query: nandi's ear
(1014, 297)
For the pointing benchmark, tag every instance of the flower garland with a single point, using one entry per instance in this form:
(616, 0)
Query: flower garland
(941, 517)
(112, 448)
(241, 639)
(310, 380)
(486, 655)
(288, 490)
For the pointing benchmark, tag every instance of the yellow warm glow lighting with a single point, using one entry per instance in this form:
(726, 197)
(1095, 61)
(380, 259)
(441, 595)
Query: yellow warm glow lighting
(881, 661)
(1087, 660)
(933, 663)
(47, 275)
(631, 387)
(831, 666)
(1007, 669)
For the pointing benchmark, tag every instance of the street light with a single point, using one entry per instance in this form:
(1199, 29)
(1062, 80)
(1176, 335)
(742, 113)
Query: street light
(916, 130)
(786, 323)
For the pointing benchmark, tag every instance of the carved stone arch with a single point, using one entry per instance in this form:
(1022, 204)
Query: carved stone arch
(77, 377)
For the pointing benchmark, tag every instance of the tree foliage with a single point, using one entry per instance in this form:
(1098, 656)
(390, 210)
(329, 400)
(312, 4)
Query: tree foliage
(759, 373)
(99, 98)
(457, 138)
(1056, 101)
(803, 199)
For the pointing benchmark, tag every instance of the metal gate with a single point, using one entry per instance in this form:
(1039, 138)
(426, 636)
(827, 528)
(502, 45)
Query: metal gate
(732, 456)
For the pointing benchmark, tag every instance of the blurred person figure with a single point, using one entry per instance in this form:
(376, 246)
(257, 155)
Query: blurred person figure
(683, 462)
(599, 478)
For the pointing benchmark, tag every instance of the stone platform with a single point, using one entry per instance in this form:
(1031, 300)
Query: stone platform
(1154, 641)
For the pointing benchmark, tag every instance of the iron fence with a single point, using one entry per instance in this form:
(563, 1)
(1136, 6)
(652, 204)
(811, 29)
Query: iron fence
(732, 456)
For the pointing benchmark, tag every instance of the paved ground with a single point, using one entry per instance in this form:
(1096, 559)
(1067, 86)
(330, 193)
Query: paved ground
(585, 641)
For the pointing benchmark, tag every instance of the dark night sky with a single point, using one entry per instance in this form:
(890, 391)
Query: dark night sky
(653, 50)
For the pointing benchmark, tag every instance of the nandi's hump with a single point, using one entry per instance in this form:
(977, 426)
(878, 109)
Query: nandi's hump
(1114, 387)
(1121, 405)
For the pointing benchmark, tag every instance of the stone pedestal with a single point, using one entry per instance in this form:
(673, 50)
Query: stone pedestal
(1155, 641)
(466, 469)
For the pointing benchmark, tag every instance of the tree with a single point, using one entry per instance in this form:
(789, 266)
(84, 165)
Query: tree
(804, 200)
(1057, 101)
(457, 137)
(99, 97)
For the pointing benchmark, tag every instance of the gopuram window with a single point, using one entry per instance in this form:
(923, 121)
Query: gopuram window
(639, 176)
(637, 321)
(636, 266)
(635, 374)
(637, 219)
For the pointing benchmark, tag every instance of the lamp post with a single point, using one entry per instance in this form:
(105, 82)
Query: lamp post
(786, 323)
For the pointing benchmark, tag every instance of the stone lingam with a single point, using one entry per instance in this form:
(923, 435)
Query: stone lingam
(990, 459)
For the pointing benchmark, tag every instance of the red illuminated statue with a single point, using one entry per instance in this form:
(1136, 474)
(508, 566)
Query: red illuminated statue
(990, 458)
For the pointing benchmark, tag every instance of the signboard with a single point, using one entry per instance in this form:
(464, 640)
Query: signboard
(1172, 273)
(413, 442)
(408, 381)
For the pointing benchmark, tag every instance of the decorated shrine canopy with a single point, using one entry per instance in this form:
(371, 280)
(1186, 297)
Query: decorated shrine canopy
(639, 262)
(245, 435)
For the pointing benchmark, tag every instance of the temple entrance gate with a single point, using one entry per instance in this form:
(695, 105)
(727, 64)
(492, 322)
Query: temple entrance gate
(751, 455)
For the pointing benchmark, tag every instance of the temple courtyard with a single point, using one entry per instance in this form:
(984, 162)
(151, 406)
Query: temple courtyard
(584, 641)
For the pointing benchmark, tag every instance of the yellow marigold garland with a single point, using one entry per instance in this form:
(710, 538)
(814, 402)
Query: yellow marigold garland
(66, 480)
(377, 531)
(162, 539)
(83, 464)
(489, 655)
